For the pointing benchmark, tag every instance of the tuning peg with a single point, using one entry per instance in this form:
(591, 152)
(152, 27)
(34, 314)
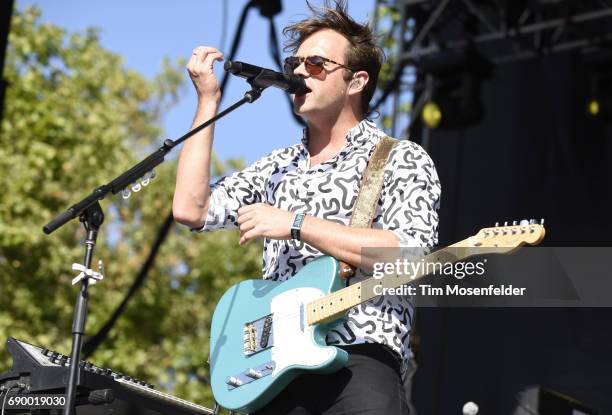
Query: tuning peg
(506, 223)
(513, 223)
(542, 221)
(524, 222)
(125, 193)
(136, 187)
(496, 224)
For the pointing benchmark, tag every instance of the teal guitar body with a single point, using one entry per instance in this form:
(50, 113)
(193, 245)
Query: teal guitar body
(260, 338)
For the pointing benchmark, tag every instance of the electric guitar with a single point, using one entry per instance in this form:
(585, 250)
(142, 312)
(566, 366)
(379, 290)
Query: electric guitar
(265, 333)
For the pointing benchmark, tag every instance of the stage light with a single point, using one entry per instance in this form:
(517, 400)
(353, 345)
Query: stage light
(593, 107)
(455, 102)
(431, 115)
(599, 107)
(598, 67)
(599, 102)
(455, 79)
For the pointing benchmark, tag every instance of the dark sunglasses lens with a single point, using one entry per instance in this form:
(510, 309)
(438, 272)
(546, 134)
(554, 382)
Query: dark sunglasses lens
(314, 65)
(290, 64)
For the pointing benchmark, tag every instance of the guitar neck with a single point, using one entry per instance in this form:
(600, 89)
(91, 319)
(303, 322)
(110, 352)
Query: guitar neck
(501, 240)
(334, 305)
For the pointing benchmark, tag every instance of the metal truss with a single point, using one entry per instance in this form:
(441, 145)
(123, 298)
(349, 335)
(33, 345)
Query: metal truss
(506, 30)
(501, 31)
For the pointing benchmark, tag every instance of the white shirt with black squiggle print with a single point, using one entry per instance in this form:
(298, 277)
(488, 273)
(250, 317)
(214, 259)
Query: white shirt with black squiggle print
(407, 206)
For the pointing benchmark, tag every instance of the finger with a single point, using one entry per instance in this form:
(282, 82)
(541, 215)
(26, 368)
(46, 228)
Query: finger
(248, 208)
(205, 49)
(252, 234)
(195, 56)
(247, 226)
(192, 62)
(197, 66)
(201, 52)
(243, 217)
(211, 57)
(208, 61)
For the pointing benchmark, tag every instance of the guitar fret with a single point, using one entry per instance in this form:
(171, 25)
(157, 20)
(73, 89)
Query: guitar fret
(333, 304)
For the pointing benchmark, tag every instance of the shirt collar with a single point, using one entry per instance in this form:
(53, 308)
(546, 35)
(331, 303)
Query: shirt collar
(357, 135)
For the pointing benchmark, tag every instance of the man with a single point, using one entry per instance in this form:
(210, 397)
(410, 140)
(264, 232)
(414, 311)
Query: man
(320, 177)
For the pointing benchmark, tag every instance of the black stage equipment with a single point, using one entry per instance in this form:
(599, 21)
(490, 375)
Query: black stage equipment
(542, 401)
(39, 373)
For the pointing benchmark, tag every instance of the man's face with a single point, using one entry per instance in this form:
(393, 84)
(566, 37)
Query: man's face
(327, 93)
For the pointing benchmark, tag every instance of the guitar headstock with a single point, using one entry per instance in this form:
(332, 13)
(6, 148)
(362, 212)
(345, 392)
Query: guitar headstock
(504, 239)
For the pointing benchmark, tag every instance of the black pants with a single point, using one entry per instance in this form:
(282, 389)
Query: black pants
(369, 384)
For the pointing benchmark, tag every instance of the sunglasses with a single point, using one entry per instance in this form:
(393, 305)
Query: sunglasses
(313, 64)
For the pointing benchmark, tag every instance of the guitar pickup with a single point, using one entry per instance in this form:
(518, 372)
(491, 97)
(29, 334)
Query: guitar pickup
(234, 381)
(265, 335)
(255, 374)
(250, 375)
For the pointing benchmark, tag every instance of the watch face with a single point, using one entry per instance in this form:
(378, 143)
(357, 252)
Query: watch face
(297, 224)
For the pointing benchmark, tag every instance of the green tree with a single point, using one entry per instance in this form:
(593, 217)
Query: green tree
(75, 118)
(387, 25)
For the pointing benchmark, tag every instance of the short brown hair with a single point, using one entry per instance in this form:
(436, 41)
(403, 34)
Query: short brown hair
(363, 53)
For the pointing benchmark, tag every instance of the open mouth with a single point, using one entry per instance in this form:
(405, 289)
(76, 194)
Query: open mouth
(304, 93)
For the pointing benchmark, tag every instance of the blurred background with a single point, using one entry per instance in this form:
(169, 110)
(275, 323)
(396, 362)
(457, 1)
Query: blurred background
(511, 98)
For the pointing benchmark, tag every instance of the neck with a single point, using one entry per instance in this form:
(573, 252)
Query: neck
(329, 135)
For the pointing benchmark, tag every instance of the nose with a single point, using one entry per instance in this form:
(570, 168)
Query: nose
(301, 70)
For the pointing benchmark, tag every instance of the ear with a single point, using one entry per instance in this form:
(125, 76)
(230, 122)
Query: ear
(359, 82)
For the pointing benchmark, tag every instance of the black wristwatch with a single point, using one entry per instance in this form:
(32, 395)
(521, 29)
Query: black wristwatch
(297, 225)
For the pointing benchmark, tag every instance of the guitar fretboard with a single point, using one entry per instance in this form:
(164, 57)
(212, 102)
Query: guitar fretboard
(498, 240)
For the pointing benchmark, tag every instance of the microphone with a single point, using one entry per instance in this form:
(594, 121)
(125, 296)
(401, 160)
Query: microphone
(263, 78)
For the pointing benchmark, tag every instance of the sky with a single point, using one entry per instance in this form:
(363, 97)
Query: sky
(144, 32)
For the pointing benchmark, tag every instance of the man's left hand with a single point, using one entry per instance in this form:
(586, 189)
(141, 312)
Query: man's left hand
(262, 220)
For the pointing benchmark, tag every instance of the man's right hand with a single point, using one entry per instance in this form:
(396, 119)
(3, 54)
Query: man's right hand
(200, 69)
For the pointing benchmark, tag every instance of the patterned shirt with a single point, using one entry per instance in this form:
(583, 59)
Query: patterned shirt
(407, 206)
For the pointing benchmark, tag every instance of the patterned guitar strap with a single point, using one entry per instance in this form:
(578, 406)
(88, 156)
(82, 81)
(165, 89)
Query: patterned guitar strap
(369, 193)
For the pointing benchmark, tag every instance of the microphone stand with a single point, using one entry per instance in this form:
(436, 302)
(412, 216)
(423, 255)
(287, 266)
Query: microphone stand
(91, 215)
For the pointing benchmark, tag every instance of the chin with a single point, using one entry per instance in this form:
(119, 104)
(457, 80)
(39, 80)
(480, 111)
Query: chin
(301, 109)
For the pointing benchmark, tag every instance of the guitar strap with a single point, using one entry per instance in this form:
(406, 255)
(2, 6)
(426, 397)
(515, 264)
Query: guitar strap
(369, 193)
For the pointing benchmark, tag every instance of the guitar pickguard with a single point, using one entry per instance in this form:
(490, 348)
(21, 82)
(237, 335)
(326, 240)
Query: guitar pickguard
(293, 338)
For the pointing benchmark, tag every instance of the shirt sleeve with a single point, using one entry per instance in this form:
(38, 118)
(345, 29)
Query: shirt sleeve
(230, 193)
(410, 198)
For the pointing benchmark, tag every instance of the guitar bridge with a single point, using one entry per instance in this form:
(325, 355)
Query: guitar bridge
(258, 335)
